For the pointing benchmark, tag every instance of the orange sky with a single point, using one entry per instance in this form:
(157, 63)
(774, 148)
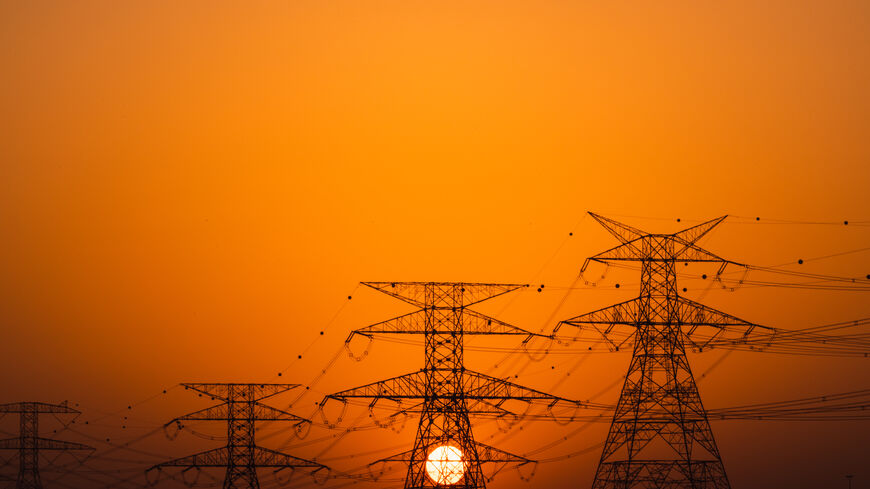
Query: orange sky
(190, 190)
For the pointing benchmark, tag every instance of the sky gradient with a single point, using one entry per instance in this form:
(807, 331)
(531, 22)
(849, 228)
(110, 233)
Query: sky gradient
(190, 191)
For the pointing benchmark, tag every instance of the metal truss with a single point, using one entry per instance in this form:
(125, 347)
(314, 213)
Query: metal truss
(660, 436)
(29, 444)
(241, 456)
(444, 391)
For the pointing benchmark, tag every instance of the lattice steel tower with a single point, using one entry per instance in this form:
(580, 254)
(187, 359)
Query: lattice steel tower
(444, 391)
(660, 436)
(241, 456)
(29, 444)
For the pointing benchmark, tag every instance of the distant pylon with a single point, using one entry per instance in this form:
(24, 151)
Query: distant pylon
(241, 456)
(29, 444)
(660, 436)
(445, 452)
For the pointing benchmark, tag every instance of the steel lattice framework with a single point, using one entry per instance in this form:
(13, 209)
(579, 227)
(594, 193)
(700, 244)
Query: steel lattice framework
(660, 436)
(29, 444)
(444, 392)
(241, 456)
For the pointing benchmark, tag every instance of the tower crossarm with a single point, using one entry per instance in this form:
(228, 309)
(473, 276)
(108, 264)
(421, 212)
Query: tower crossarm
(483, 408)
(210, 458)
(480, 386)
(37, 407)
(473, 323)
(49, 444)
(444, 294)
(408, 386)
(693, 234)
(637, 245)
(604, 320)
(625, 252)
(632, 251)
(693, 253)
(264, 457)
(475, 386)
(221, 412)
(240, 392)
(43, 444)
(485, 454)
(661, 473)
(405, 456)
(622, 313)
(704, 326)
(492, 454)
(491, 408)
(623, 232)
(701, 325)
(478, 407)
(263, 412)
(218, 457)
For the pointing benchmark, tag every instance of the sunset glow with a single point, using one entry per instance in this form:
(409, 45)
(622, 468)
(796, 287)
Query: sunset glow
(193, 191)
(445, 466)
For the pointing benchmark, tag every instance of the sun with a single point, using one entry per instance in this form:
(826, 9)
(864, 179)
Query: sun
(445, 465)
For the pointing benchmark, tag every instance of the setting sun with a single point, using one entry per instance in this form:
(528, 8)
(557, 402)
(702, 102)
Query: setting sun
(445, 465)
(422, 245)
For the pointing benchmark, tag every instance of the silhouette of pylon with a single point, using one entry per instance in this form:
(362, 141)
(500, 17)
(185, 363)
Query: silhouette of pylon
(660, 436)
(444, 390)
(29, 444)
(241, 456)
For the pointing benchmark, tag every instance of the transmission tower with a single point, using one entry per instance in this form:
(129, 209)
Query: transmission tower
(660, 436)
(444, 391)
(29, 444)
(241, 456)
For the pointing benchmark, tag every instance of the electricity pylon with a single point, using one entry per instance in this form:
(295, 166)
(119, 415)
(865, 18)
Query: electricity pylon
(241, 456)
(660, 436)
(446, 392)
(29, 444)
